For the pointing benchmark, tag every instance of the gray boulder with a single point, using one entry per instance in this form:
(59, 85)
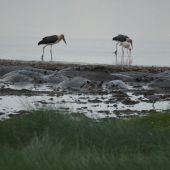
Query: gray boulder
(74, 83)
(22, 76)
(119, 84)
(161, 83)
(120, 76)
(139, 76)
(5, 69)
(91, 75)
(54, 78)
(17, 78)
(163, 75)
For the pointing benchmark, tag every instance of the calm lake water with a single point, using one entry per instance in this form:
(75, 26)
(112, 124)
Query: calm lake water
(85, 51)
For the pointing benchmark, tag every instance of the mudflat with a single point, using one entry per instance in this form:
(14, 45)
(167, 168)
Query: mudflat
(61, 65)
(96, 90)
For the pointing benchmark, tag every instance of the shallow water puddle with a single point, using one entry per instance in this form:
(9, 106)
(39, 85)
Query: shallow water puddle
(93, 106)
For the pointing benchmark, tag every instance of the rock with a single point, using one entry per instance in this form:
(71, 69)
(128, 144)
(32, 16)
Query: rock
(88, 86)
(91, 75)
(11, 115)
(140, 76)
(116, 84)
(115, 105)
(4, 69)
(163, 75)
(161, 83)
(119, 76)
(126, 113)
(128, 101)
(96, 75)
(21, 76)
(2, 113)
(43, 102)
(16, 78)
(104, 111)
(112, 100)
(74, 83)
(54, 78)
(143, 92)
(94, 101)
(26, 74)
(152, 98)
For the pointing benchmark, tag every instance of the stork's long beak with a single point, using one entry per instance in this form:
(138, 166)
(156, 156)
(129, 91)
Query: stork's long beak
(64, 40)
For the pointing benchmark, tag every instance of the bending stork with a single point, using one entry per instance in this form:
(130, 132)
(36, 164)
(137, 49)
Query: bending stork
(51, 40)
(123, 41)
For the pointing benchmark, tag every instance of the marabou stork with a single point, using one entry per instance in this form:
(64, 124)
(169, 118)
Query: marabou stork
(123, 41)
(51, 40)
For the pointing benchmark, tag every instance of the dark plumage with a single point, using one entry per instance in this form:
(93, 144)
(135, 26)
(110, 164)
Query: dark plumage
(124, 41)
(120, 38)
(49, 40)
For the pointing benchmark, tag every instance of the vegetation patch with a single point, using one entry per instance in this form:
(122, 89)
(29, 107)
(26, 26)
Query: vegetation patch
(48, 140)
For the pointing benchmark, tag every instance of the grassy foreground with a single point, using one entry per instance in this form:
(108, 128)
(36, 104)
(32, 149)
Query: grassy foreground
(48, 140)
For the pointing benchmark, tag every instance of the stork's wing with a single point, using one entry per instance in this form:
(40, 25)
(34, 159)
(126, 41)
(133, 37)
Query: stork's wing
(123, 36)
(50, 39)
(120, 38)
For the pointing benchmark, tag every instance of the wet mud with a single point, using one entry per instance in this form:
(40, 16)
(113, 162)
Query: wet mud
(98, 91)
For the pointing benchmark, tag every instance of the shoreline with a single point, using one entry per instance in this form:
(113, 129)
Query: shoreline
(97, 91)
(83, 66)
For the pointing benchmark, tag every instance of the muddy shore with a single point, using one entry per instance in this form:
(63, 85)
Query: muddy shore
(98, 91)
(61, 65)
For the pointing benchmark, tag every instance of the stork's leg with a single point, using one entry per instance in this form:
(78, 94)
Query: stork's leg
(130, 57)
(122, 59)
(128, 52)
(122, 51)
(51, 52)
(116, 58)
(116, 51)
(116, 47)
(42, 57)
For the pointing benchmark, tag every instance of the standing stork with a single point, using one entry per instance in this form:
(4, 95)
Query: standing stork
(51, 40)
(125, 42)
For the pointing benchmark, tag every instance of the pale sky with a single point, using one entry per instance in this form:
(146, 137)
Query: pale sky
(140, 19)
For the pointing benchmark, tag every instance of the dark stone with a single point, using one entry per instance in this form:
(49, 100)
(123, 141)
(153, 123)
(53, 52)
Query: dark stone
(43, 102)
(128, 101)
(161, 83)
(2, 113)
(120, 76)
(115, 105)
(94, 101)
(104, 111)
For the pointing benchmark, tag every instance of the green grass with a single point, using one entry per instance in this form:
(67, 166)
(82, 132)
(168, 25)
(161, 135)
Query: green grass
(49, 140)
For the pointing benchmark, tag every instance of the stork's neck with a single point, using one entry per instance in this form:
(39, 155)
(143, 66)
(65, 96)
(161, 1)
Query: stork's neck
(60, 37)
